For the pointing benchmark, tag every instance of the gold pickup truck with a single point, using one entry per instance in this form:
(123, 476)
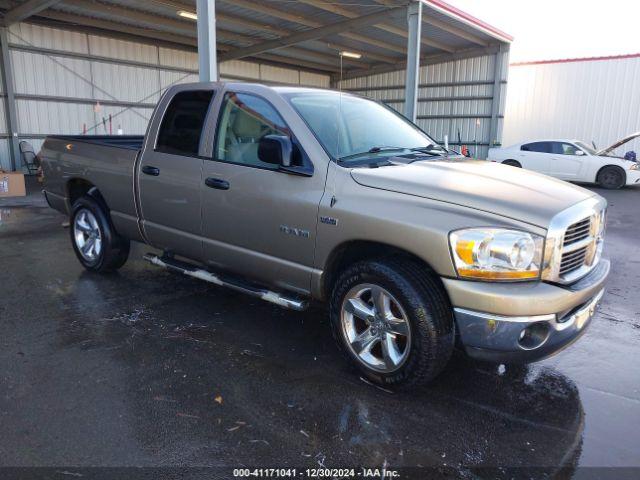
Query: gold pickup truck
(292, 194)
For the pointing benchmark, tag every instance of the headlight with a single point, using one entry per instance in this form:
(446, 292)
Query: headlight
(635, 166)
(496, 254)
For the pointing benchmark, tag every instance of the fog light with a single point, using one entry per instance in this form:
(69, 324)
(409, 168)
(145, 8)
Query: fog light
(534, 335)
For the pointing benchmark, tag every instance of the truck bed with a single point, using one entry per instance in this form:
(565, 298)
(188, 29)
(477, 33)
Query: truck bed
(104, 161)
(133, 142)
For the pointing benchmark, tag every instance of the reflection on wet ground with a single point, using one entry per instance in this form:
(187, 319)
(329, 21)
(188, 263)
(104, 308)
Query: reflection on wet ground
(149, 368)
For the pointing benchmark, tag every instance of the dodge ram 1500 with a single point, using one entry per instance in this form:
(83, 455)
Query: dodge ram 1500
(291, 194)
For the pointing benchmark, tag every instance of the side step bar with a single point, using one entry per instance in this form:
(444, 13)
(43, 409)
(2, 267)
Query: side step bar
(193, 271)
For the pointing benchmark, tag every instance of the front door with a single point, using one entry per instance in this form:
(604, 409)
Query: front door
(258, 221)
(171, 177)
(565, 162)
(535, 156)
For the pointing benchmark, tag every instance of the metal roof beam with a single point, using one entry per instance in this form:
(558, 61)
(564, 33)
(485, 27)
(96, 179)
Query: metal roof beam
(185, 27)
(304, 54)
(26, 10)
(302, 20)
(225, 17)
(458, 32)
(126, 15)
(307, 35)
(338, 10)
(118, 27)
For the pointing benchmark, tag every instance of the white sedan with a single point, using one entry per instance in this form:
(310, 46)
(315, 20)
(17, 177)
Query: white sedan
(572, 160)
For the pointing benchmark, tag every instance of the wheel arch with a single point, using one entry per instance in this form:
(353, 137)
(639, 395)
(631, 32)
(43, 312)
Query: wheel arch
(78, 187)
(513, 160)
(352, 251)
(611, 165)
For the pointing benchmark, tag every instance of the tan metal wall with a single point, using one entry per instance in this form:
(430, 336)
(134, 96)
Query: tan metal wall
(454, 96)
(596, 100)
(66, 80)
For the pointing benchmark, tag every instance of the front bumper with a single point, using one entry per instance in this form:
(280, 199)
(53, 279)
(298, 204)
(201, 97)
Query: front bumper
(521, 337)
(633, 177)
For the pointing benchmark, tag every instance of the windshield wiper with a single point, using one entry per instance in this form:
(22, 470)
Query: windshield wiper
(432, 147)
(377, 149)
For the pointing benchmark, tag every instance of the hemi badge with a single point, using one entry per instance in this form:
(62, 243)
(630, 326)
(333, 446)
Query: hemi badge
(329, 220)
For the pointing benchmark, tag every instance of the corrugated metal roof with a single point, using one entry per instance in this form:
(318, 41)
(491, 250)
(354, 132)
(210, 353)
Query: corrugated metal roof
(244, 23)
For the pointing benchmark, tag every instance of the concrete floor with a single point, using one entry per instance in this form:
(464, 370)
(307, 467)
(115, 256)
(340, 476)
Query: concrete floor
(148, 368)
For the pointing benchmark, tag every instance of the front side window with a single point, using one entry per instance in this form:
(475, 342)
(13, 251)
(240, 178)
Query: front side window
(244, 120)
(586, 148)
(347, 125)
(182, 124)
(540, 147)
(565, 148)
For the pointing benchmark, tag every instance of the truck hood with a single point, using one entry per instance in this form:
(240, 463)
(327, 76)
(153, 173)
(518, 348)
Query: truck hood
(611, 148)
(500, 189)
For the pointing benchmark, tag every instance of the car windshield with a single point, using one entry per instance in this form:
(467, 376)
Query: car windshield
(586, 148)
(351, 127)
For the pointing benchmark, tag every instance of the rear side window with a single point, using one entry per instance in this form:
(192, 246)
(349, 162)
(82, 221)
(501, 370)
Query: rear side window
(182, 124)
(540, 147)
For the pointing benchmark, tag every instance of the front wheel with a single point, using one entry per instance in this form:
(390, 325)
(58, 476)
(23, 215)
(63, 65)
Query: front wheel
(96, 244)
(393, 320)
(611, 178)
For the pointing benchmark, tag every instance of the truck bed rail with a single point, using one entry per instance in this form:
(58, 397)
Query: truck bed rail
(133, 142)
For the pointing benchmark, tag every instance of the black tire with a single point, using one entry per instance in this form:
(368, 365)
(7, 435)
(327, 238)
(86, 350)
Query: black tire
(114, 249)
(611, 177)
(512, 163)
(428, 310)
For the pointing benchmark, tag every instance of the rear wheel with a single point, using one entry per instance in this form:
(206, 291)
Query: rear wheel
(95, 242)
(611, 177)
(512, 163)
(393, 321)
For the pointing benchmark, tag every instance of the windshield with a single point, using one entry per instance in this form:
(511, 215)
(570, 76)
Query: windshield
(586, 148)
(348, 126)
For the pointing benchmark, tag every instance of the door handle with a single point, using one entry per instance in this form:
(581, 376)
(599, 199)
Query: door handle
(216, 183)
(149, 170)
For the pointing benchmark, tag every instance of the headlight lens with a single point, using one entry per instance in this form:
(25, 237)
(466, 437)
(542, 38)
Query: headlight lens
(496, 254)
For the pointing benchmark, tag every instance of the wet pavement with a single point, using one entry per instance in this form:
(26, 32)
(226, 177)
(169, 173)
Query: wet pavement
(149, 368)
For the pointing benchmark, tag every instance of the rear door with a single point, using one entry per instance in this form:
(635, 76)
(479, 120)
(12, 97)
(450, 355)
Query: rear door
(565, 162)
(258, 221)
(535, 156)
(170, 175)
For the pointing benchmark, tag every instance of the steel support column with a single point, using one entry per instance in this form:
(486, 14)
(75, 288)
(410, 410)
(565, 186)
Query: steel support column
(497, 95)
(414, 21)
(207, 56)
(11, 115)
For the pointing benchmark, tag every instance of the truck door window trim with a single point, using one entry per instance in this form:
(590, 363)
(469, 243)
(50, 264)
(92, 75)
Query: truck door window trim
(306, 167)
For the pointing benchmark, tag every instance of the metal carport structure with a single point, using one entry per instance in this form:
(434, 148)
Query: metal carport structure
(311, 36)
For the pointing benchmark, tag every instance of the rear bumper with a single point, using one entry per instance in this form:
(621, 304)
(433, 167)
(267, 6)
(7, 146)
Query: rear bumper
(57, 202)
(521, 337)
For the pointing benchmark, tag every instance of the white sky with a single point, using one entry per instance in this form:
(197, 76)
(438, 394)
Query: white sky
(552, 29)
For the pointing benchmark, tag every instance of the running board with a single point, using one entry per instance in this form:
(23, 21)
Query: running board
(193, 271)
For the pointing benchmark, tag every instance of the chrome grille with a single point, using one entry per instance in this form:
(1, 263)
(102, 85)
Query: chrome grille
(574, 241)
(576, 232)
(573, 260)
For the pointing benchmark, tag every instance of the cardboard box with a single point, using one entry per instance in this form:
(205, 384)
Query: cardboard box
(12, 184)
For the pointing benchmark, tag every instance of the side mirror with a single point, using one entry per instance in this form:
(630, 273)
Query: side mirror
(579, 153)
(276, 149)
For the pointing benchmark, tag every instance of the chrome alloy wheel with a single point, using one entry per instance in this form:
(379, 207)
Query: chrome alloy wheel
(87, 235)
(375, 327)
